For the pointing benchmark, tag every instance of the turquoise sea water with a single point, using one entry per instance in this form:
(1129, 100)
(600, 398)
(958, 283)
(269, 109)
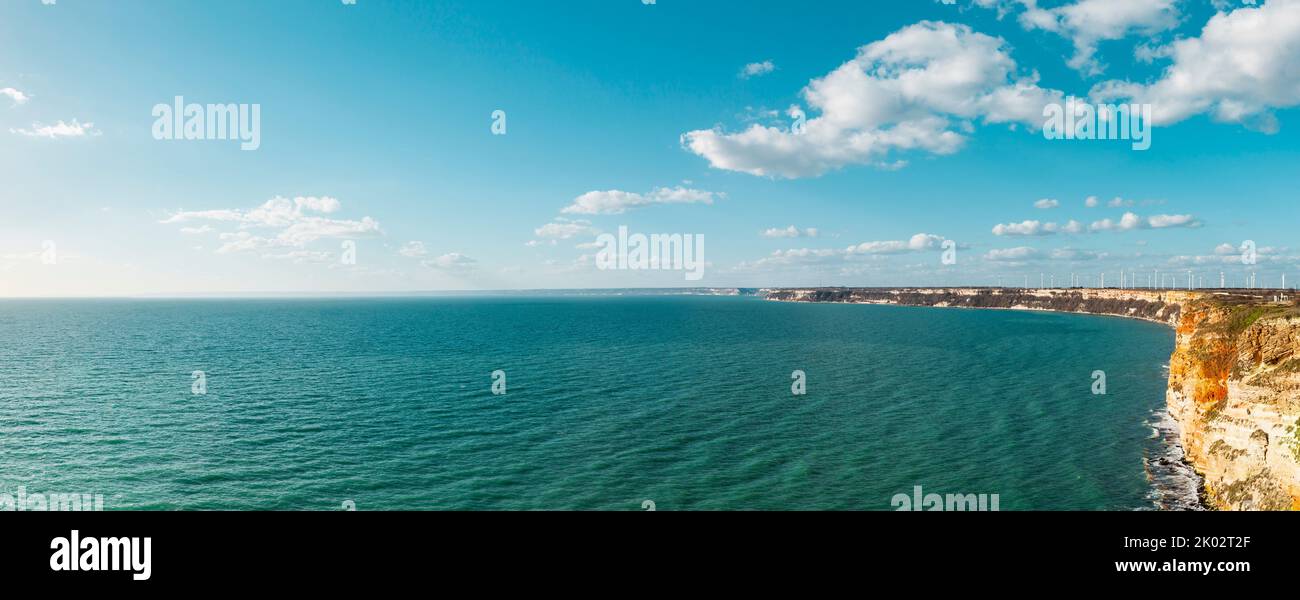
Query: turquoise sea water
(685, 401)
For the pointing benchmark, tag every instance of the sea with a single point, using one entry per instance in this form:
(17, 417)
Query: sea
(556, 402)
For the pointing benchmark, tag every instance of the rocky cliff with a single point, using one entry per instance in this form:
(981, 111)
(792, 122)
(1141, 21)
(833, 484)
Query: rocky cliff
(1234, 381)
(1234, 388)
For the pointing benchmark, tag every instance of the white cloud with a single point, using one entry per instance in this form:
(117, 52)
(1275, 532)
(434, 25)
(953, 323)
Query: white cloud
(790, 232)
(302, 256)
(920, 242)
(1091, 202)
(1089, 22)
(1165, 221)
(1238, 70)
(1128, 222)
(413, 249)
(917, 243)
(614, 202)
(323, 204)
(1131, 221)
(1046, 203)
(241, 241)
(220, 214)
(1230, 255)
(800, 255)
(1025, 253)
(453, 261)
(755, 69)
(1034, 228)
(196, 230)
(1024, 228)
(311, 229)
(61, 129)
(918, 89)
(276, 212)
(16, 96)
(563, 229)
(1073, 255)
(1011, 254)
(294, 220)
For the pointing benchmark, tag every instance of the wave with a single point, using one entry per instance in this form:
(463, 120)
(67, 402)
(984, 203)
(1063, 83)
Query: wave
(1175, 485)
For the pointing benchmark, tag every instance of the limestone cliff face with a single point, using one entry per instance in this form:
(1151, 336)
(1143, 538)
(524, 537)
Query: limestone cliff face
(1234, 380)
(1234, 387)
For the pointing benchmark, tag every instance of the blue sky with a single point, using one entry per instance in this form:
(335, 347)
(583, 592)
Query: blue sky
(376, 129)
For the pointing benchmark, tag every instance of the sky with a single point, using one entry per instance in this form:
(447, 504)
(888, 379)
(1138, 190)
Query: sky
(488, 144)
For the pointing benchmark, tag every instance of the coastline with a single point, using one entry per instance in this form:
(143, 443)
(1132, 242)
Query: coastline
(1230, 388)
(1011, 308)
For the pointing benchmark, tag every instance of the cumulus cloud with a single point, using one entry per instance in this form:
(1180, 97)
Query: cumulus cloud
(1226, 250)
(614, 202)
(920, 242)
(919, 89)
(1164, 221)
(1089, 22)
(1131, 221)
(302, 256)
(414, 249)
(801, 255)
(75, 129)
(917, 243)
(1046, 203)
(1240, 68)
(1017, 254)
(790, 232)
(453, 261)
(1025, 253)
(14, 95)
(1128, 222)
(755, 69)
(293, 223)
(563, 229)
(1074, 255)
(1227, 254)
(1034, 228)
